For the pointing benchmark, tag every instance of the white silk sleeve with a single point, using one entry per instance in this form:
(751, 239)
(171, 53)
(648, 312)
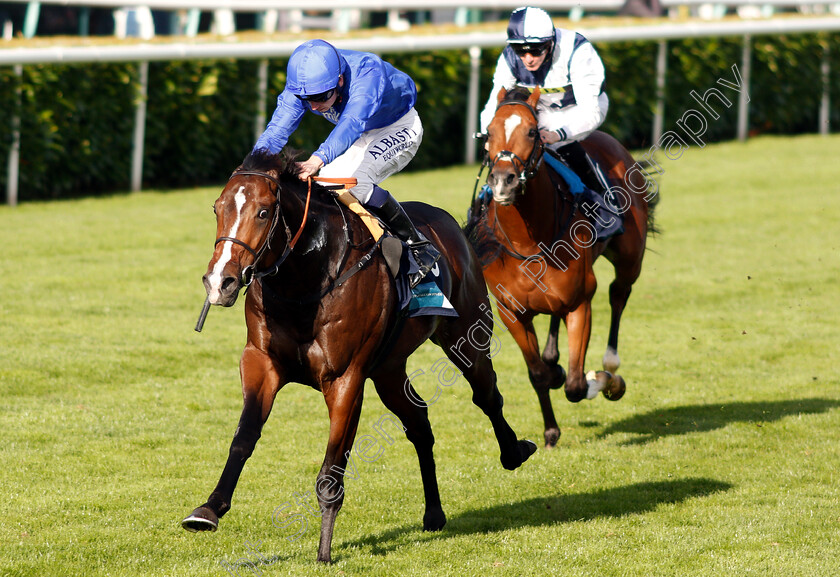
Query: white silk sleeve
(502, 78)
(590, 110)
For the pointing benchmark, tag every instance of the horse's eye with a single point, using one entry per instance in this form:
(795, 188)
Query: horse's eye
(263, 213)
(532, 133)
(214, 210)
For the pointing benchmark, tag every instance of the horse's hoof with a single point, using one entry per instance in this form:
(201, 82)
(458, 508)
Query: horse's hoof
(202, 519)
(559, 378)
(434, 520)
(551, 437)
(615, 389)
(524, 449)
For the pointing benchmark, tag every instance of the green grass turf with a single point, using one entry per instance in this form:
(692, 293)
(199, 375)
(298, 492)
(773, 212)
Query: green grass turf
(722, 458)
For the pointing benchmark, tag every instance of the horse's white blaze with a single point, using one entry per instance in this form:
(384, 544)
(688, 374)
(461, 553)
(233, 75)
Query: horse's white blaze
(511, 123)
(215, 278)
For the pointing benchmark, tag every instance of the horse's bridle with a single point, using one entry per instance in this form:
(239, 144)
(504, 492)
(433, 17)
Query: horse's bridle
(249, 272)
(528, 168)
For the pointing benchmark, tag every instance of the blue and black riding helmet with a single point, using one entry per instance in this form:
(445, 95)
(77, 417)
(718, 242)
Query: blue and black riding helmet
(313, 70)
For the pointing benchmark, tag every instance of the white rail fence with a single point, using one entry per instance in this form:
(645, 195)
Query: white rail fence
(134, 17)
(472, 42)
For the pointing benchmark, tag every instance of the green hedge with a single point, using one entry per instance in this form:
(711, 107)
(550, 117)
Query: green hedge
(77, 120)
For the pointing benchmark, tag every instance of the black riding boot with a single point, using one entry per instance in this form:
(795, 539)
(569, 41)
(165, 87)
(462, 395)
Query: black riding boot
(397, 220)
(576, 158)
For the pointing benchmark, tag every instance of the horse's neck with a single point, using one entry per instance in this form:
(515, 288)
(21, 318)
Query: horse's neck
(535, 212)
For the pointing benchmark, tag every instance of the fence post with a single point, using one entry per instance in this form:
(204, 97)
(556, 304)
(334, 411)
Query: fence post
(262, 94)
(825, 110)
(744, 99)
(30, 21)
(472, 103)
(14, 151)
(661, 71)
(137, 145)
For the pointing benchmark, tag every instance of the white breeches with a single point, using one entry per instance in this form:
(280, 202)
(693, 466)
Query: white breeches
(378, 154)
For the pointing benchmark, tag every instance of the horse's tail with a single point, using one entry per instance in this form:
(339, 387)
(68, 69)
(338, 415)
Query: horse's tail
(651, 168)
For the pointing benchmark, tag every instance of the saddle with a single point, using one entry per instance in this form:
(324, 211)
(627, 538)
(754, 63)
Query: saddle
(427, 298)
(600, 209)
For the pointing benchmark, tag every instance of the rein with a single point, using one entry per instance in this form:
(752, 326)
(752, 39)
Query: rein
(250, 273)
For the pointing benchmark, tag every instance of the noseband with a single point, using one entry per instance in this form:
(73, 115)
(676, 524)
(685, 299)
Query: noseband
(249, 272)
(528, 168)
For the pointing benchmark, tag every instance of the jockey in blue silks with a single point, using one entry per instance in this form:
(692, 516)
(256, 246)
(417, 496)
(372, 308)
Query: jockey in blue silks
(570, 74)
(377, 130)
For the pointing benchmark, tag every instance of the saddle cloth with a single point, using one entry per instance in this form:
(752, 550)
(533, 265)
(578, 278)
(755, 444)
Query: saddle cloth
(427, 298)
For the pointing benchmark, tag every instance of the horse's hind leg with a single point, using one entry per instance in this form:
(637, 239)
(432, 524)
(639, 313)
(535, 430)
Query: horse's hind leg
(260, 383)
(619, 294)
(400, 398)
(469, 353)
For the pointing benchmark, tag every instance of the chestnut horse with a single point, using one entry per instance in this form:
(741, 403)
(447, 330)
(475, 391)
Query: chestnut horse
(322, 311)
(538, 248)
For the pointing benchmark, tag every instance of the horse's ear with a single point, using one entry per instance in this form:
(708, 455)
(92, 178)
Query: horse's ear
(534, 98)
(501, 96)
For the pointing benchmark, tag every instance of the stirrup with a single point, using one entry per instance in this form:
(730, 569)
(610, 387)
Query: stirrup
(426, 255)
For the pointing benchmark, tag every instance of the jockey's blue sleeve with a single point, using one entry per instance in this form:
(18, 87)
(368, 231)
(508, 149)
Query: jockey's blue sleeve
(374, 95)
(283, 123)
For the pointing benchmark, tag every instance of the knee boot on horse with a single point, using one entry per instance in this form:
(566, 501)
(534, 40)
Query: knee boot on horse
(576, 158)
(386, 207)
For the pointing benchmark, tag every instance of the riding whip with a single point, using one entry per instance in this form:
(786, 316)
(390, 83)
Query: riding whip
(200, 324)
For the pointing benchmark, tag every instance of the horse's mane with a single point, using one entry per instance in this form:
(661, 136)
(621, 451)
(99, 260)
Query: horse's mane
(284, 162)
(261, 160)
(517, 94)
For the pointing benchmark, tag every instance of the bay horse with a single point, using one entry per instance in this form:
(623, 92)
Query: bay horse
(321, 310)
(538, 249)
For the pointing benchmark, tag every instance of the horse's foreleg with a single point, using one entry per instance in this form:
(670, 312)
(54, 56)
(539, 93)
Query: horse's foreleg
(551, 352)
(344, 402)
(260, 383)
(579, 327)
(542, 376)
(399, 397)
(578, 386)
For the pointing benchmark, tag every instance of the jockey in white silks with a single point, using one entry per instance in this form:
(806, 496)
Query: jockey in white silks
(570, 75)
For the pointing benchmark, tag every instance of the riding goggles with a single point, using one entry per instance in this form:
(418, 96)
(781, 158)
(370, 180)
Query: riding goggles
(322, 97)
(535, 50)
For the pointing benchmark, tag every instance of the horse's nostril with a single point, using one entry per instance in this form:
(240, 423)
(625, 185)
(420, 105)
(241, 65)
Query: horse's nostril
(509, 178)
(226, 284)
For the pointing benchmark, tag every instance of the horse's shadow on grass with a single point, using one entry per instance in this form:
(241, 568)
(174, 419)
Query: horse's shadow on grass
(703, 418)
(551, 510)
